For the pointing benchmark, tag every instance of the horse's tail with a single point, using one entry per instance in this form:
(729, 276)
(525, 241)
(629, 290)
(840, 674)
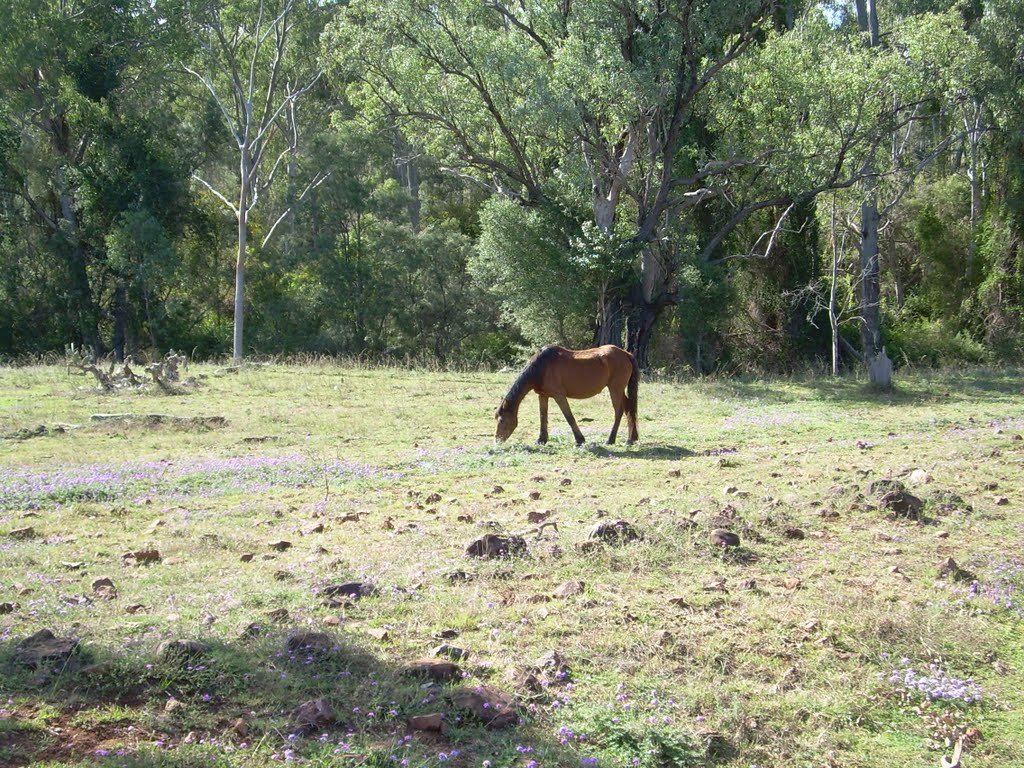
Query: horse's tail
(631, 395)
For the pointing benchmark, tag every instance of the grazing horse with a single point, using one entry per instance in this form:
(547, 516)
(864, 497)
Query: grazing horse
(559, 373)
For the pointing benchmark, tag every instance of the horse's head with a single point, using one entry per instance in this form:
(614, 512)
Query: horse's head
(507, 421)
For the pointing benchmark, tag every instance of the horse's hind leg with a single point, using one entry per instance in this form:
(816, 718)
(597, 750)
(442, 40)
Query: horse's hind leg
(563, 403)
(619, 404)
(543, 419)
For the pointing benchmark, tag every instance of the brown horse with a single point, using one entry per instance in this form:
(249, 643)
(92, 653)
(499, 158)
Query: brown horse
(559, 373)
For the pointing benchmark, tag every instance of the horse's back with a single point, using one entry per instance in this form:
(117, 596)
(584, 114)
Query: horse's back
(582, 373)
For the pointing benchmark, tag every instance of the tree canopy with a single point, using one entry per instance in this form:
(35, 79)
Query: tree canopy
(463, 181)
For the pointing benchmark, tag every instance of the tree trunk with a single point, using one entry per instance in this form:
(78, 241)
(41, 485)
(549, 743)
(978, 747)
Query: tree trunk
(642, 319)
(879, 367)
(609, 320)
(120, 322)
(872, 14)
(408, 175)
(973, 126)
(243, 239)
(83, 307)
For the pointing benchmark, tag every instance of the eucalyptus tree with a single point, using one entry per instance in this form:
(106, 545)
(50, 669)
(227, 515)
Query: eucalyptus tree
(77, 84)
(552, 103)
(253, 58)
(845, 115)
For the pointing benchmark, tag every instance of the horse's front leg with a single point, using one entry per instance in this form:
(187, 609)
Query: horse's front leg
(543, 419)
(563, 403)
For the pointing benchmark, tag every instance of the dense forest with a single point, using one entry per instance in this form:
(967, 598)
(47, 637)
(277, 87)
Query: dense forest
(741, 186)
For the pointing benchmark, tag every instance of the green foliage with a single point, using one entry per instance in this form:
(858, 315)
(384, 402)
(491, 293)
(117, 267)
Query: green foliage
(532, 265)
(924, 342)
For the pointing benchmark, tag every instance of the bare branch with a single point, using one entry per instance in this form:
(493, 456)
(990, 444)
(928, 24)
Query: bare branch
(216, 194)
(319, 179)
(220, 104)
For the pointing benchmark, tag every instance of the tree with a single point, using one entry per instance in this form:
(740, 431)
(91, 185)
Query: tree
(75, 79)
(245, 61)
(540, 102)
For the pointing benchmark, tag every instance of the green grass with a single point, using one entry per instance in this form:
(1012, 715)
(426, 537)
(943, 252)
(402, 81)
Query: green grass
(677, 653)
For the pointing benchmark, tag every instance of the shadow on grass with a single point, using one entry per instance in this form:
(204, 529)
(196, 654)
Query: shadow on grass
(641, 450)
(233, 703)
(913, 389)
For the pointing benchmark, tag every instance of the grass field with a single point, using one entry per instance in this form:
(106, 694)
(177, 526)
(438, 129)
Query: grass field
(832, 636)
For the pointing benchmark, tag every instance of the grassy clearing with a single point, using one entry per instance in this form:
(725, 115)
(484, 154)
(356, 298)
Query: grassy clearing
(808, 645)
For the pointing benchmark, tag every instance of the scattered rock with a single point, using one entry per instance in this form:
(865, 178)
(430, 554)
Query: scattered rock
(662, 638)
(884, 485)
(313, 715)
(902, 503)
(73, 566)
(565, 482)
(748, 584)
(538, 515)
(354, 590)
(792, 582)
(716, 584)
(919, 477)
(537, 599)
(491, 546)
(949, 569)
(28, 532)
(44, 647)
(141, 557)
(318, 528)
(614, 532)
(278, 615)
(240, 727)
(553, 663)
(433, 669)
(104, 587)
(378, 633)
(446, 634)
(942, 535)
(569, 589)
(135, 608)
(280, 546)
(431, 722)
(173, 705)
(312, 643)
(181, 649)
(723, 538)
(247, 557)
(794, 533)
(1001, 501)
(451, 652)
(495, 708)
(8, 608)
(586, 547)
(455, 576)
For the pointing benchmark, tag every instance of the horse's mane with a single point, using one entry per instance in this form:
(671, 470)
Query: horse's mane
(532, 370)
